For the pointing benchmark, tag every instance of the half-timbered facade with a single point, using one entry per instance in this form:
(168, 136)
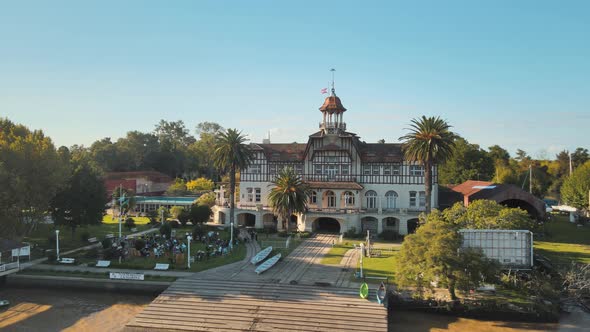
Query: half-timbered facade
(368, 186)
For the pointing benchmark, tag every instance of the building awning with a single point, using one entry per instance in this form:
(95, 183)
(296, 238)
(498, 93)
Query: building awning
(335, 185)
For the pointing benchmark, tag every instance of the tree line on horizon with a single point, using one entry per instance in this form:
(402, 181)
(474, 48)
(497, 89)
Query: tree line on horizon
(36, 177)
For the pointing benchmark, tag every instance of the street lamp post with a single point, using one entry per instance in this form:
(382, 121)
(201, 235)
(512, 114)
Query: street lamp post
(362, 254)
(57, 243)
(188, 240)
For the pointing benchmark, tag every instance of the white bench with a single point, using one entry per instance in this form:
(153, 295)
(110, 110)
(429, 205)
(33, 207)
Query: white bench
(162, 267)
(67, 260)
(92, 240)
(109, 236)
(103, 263)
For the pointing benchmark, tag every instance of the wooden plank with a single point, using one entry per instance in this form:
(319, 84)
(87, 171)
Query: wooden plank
(318, 318)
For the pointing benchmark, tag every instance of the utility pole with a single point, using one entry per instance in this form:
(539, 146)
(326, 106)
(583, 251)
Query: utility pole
(571, 166)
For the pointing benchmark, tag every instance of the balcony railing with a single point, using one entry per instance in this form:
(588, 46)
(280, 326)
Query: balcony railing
(332, 210)
(333, 125)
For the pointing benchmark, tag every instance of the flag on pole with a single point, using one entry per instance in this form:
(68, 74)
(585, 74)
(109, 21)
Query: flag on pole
(324, 90)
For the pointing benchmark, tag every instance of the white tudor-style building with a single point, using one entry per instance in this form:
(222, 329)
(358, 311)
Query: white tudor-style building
(355, 184)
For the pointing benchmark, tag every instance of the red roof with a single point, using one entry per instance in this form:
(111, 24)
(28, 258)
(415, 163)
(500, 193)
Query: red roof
(332, 104)
(470, 187)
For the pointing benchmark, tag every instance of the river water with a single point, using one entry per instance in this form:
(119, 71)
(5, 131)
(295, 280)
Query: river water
(40, 309)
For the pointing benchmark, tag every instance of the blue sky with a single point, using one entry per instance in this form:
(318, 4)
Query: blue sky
(514, 73)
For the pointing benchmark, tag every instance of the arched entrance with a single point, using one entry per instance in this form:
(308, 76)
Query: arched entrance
(221, 217)
(269, 221)
(246, 219)
(391, 224)
(326, 225)
(369, 224)
(412, 225)
(524, 205)
(293, 222)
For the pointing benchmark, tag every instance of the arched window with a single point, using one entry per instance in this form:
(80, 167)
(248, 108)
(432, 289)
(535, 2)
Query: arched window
(371, 198)
(313, 198)
(348, 197)
(331, 198)
(390, 199)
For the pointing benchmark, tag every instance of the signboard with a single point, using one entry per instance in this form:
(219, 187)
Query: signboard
(24, 251)
(126, 276)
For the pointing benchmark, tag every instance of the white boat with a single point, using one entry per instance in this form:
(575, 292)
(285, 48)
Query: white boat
(268, 264)
(261, 255)
(4, 303)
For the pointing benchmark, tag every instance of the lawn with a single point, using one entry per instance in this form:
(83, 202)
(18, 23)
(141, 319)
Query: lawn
(565, 241)
(382, 266)
(148, 263)
(108, 219)
(68, 241)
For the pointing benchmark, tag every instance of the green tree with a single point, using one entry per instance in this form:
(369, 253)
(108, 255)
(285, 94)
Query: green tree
(207, 199)
(580, 157)
(163, 214)
(204, 148)
(232, 154)
(429, 142)
(178, 188)
(31, 174)
(574, 190)
(83, 199)
(468, 162)
(288, 195)
(487, 214)
(200, 214)
(200, 184)
(497, 153)
(175, 211)
(432, 256)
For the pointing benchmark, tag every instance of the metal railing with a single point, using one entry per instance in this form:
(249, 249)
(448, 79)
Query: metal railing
(9, 266)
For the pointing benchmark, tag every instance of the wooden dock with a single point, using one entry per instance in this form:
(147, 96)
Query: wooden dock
(230, 305)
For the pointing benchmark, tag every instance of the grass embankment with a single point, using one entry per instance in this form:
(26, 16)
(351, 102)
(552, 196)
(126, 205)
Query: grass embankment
(565, 241)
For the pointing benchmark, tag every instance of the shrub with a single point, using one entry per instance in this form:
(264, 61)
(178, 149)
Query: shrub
(129, 223)
(85, 236)
(166, 230)
(351, 233)
(175, 211)
(304, 235)
(200, 213)
(139, 244)
(106, 243)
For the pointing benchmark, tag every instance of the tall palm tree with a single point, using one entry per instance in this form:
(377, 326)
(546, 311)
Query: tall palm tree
(429, 142)
(288, 195)
(232, 154)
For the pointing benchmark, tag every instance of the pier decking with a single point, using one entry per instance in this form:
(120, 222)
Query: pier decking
(205, 305)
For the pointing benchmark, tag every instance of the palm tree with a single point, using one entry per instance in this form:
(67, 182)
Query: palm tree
(231, 153)
(289, 194)
(429, 142)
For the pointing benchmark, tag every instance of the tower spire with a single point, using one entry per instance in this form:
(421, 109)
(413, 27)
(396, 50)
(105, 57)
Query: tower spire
(333, 90)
